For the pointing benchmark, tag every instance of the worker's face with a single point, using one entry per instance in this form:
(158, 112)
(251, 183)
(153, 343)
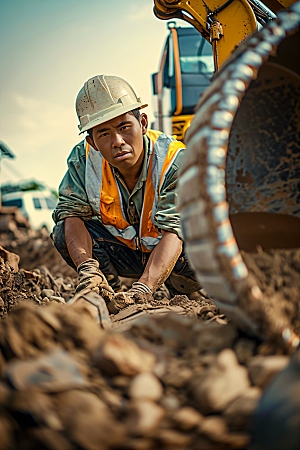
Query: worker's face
(120, 140)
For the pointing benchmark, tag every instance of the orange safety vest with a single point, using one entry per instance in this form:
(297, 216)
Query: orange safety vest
(106, 199)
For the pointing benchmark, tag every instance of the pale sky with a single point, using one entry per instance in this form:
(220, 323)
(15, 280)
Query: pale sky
(48, 49)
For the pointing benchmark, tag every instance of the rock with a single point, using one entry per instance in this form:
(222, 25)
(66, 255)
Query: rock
(172, 439)
(47, 292)
(51, 372)
(4, 393)
(11, 258)
(244, 349)
(147, 386)
(144, 417)
(37, 406)
(7, 440)
(178, 378)
(214, 338)
(220, 384)
(138, 444)
(187, 418)
(119, 356)
(89, 422)
(262, 369)
(239, 412)
(170, 402)
(57, 299)
(214, 428)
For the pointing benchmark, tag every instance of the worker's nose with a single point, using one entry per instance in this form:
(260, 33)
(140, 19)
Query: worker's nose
(117, 140)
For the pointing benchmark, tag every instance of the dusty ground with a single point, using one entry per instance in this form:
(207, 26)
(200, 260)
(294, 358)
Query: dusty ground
(278, 275)
(184, 380)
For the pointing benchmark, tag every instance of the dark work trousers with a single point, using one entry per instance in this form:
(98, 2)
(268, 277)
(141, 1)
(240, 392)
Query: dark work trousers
(108, 250)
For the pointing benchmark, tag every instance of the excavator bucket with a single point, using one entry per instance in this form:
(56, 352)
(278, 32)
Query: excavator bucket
(240, 184)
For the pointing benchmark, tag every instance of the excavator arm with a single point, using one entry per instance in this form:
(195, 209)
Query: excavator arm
(224, 24)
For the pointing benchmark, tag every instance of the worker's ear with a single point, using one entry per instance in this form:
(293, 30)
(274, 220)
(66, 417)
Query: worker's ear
(144, 123)
(89, 141)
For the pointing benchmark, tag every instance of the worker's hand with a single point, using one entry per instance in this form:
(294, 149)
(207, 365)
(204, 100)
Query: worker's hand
(123, 299)
(90, 276)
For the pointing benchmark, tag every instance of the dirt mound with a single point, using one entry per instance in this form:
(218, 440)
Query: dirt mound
(38, 285)
(170, 382)
(36, 249)
(185, 380)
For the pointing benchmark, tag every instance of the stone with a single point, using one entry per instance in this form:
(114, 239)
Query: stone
(187, 418)
(51, 372)
(55, 298)
(239, 412)
(120, 356)
(170, 402)
(214, 338)
(145, 417)
(147, 386)
(219, 384)
(262, 369)
(214, 428)
(89, 422)
(179, 377)
(172, 439)
(4, 393)
(47, 293)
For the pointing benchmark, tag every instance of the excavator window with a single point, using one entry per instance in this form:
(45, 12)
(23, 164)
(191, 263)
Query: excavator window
(195, 55)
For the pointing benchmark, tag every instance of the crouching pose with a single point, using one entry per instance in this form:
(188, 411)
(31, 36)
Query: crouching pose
(116, 213)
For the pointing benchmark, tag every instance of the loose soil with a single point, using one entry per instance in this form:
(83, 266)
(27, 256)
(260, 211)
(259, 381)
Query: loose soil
(278, 276)
(185, 380)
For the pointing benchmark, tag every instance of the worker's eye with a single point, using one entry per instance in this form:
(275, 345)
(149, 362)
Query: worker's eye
(103, 135)
(125, 127)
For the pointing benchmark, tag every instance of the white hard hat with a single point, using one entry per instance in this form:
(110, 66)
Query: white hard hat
(103, 98)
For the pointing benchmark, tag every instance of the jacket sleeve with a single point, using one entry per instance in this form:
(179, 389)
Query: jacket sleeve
(73, 200)
(166, 217)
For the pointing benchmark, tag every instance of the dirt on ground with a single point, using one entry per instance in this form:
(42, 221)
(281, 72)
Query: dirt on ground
(177, 376)
(278, 276)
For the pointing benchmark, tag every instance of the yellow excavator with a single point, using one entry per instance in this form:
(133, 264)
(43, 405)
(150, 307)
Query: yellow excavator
(240, 184)
(191, 55)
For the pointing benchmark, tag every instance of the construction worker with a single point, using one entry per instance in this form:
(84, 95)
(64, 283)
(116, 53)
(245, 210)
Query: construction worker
(116, 213)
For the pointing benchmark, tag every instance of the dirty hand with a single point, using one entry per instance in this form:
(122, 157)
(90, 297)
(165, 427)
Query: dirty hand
(90, 276)
(123, 299)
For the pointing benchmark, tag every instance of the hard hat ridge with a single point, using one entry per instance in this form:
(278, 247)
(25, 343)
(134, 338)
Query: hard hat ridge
(103, 98)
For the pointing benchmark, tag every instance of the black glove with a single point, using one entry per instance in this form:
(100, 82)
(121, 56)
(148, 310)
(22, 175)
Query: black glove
(90, 276)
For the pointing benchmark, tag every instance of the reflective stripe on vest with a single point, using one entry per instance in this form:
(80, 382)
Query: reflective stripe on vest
(106, 199)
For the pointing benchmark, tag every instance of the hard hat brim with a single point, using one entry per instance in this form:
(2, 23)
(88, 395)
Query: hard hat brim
(102, 118)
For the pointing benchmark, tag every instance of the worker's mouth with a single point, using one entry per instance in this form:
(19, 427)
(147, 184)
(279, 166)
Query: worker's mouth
(122, 155)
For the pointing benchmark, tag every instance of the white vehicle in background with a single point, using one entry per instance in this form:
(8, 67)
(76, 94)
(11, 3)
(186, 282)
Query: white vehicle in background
(36, 206)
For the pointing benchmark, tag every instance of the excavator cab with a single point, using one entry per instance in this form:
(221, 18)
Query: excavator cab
(185, 72)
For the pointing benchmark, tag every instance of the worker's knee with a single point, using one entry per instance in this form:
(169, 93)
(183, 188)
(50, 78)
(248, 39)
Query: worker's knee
(184, 284)
(182, 277)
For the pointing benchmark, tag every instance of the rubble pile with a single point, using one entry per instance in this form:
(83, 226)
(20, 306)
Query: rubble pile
(37, 285)
(36, 249)
(170, 373)
(170, 382)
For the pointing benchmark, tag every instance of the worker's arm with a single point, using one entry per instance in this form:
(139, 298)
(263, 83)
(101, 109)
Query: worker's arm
(79, 243)
(73, 200)
(162, 260)
(78, 239)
